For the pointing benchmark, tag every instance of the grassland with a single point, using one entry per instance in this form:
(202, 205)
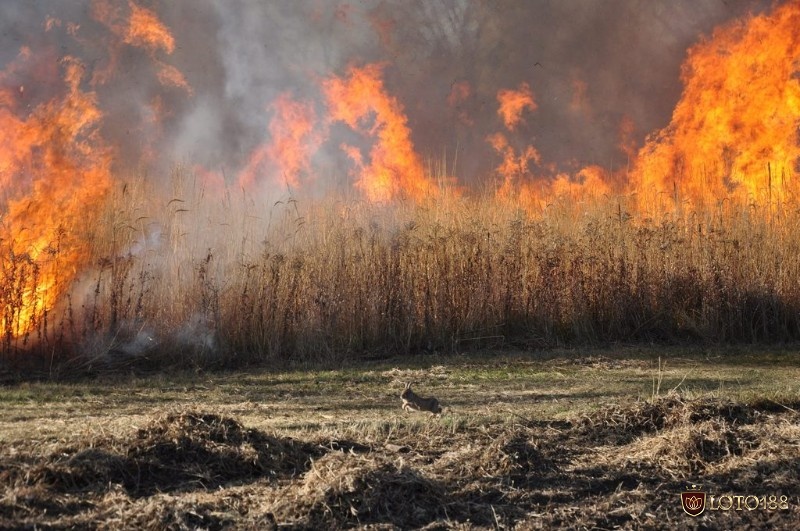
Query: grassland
(537, 439)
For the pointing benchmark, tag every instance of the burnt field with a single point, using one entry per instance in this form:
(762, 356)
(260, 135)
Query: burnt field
(580, 440)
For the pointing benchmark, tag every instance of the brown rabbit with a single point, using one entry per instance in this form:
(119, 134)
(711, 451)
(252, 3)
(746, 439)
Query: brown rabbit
(412, 401)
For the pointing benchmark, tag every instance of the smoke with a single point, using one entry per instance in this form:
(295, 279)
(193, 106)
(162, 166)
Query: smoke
(594, 69)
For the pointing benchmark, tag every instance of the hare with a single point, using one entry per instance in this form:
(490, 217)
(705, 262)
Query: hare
(412, 401)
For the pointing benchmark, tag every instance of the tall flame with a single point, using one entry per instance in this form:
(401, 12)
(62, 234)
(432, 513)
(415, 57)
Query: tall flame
(734, 132)
(733, 135)
(515, 166)
(394, 168)
(294, 138)
(56, 171)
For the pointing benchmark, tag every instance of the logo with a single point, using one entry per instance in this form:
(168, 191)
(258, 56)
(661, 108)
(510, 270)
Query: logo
(693, 501)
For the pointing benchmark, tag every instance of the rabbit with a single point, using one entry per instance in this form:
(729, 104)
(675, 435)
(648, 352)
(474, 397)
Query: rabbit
(412, 401)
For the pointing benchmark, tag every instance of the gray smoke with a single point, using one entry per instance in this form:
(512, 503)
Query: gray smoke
(589, 65)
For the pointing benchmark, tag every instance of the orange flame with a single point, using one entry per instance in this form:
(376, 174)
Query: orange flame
(519, 186)
(460, 92)
(145, 30)
(515, 165)
(394, 169)
(168, 75)
(513, 102)
(141, 29)
(590, 182)
(57, 151)
(293, 140)
(579, 104)
(734, 130)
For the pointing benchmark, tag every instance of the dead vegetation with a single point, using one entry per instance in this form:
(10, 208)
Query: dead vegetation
(330, 279)
(621, 466)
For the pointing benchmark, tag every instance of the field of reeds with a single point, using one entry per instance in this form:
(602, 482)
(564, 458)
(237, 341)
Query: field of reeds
(186, 274)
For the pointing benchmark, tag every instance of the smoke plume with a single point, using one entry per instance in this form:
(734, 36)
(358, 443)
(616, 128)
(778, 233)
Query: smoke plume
(594, 68)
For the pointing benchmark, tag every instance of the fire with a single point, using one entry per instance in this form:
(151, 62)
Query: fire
(168, 75)
(140, 29)
(393, 169)
(733, 134)
(513, 103)
(390, 170)
(515, 167)
(145, 30)
(294, 138)
(590, 182)
(520, 185)
(55, 171)
(579, 104)
(460, 93)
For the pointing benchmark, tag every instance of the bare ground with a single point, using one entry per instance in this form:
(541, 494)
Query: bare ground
(329, 450)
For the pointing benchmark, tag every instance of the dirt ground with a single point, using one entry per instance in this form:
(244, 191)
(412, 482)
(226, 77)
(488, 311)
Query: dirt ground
(204, 463)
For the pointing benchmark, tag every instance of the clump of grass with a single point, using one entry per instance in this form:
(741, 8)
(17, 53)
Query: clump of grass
(340, 488)
(175, 450)
(623, 423)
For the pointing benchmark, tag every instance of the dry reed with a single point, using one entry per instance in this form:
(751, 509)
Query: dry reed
(195, 277)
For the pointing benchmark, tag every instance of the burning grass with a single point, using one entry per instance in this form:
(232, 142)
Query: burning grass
(327, 280)
(101, 268)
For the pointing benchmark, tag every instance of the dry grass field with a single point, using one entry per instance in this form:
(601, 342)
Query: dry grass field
(579, 439)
